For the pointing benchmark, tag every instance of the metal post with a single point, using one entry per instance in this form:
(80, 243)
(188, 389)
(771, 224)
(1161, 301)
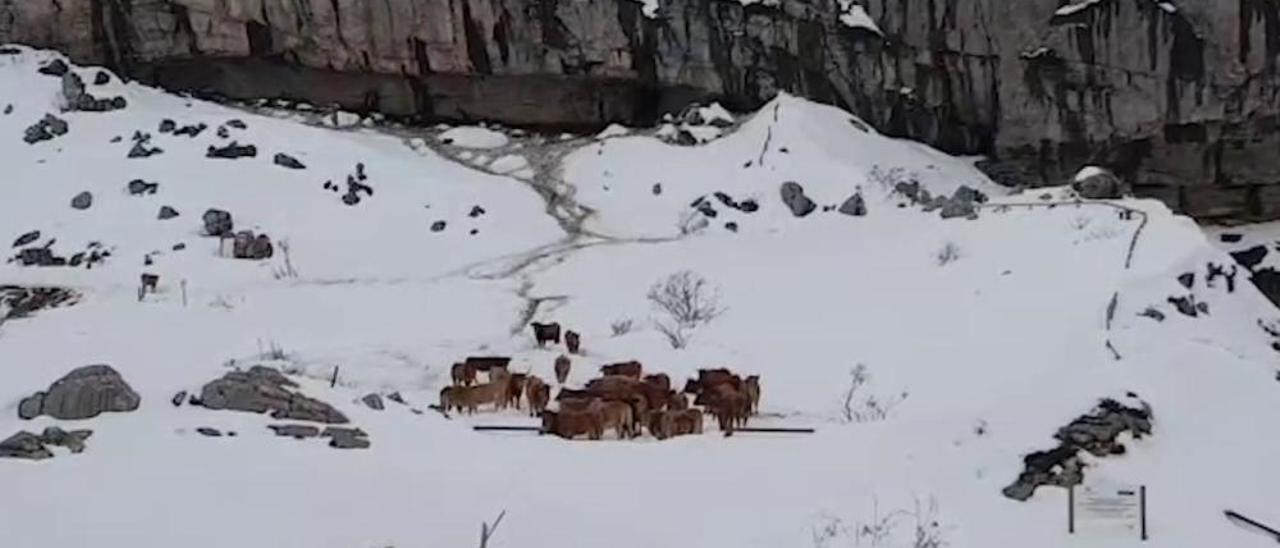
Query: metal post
(1142, 505)
(334, 381)
(1071, 510)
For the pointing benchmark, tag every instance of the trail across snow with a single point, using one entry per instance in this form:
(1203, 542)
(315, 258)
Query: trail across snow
(986, 352)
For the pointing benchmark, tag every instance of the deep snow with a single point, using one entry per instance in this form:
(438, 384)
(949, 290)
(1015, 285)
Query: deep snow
(1009, 339)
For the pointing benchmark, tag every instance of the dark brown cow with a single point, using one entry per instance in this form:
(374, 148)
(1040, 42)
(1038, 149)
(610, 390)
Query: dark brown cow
(572, 341)
(515, 388)
(562, 368)
(631, 369)
(571, 394)
(659, 380)
(676, 401)
(538, 394)
(546, 333)
(730, 406)
(660, 424)
(485, 363)
(463, 374)
(150, 282)
(570, 424)
(687, 422)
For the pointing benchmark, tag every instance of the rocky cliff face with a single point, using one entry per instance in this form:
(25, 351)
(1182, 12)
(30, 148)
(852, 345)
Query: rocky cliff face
(1178, 96)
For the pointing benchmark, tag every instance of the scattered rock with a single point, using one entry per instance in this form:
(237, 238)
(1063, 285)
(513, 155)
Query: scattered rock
(138, 187)
(855, 206)
(1250, 258)
(217, 222)
(77, 99)
(1230, 238)
(83, 393)
(1094, 183)
(166, 213)
(82, 201)
(27, 238)
(346, 438)
(1185, 305)
(24, 301)
(209, 432)
(141, 150)
(287, 161)
(236, 124)
(794, 197)
(438, 226)
(48, 128)
(191, 131)
(101, 78)
(178, 398)
(396, 397)
(262, 389)
(168, 126)
(179, 246)
(8, 109)
(657, 189)
(1187, 279)
(1152, 313)
(30, 406)
(54, 68)
(254, 247)
(24, 445)
(962, 203)
(476, 211)
(73, 440)
(731, 226)
(232, 151)
(373, 401)
(295, 431)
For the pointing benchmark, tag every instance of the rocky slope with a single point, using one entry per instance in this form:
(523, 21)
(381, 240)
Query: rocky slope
(1176, 95)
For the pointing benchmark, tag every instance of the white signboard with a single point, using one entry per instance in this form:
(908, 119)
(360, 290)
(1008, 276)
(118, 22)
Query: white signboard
(1109, 509)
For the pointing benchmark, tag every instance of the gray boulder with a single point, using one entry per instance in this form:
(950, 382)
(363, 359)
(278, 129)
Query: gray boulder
(287, 161)
(263, 389)
(296, 431)
(794, 197)
(346, 438)
(24, 445)
(138, 187)
(1098, 184)
(373, 401)
(48, 128)
(217, 222)
(83, 200)
(73, 440)
(247, 245)
(209, 432)
(83, 393)
(855, 206)
(166, 213)
(27, 238)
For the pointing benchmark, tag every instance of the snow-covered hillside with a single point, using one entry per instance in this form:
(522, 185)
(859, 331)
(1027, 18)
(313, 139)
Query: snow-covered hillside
(978, 334)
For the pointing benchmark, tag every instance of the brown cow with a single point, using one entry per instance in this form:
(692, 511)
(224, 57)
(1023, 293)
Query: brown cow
(450, 399)
(660, 424)
(676, 401)
(545, 333)
(631, 369)
(572, 341)
(562, 369)
(615, 387)
(463, 374)
(660, 380)
(687, 422)
(617, 415)
(752, 388)
(570, 424)
(538, 394)
(515, 389)
(571, 394)
(485, 363)
(500, 383)
(730, 406)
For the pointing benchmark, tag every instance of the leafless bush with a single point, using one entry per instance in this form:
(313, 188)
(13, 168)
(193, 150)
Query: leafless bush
(687, 301)
(828, 532)
(929, 532)
(858, 406)
(949, 253)
(888, 179)
(487, 530)
(920, 526)
(285, 271)
(621, 327)
(271, 351)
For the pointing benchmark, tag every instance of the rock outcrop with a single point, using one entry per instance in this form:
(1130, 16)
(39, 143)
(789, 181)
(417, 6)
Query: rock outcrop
(84, 393)
(1175, 97)
(261, 390)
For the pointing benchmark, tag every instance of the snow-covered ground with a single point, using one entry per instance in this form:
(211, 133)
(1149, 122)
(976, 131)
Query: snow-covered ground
(988, 334)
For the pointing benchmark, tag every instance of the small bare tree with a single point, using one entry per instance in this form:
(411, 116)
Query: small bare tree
(949, 253)
(687, 301)
(857, 407)
(285, 271)
(621, 327)
(487, 530)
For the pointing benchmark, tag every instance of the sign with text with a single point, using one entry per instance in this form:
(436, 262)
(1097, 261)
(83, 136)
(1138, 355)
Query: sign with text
(1108, 509)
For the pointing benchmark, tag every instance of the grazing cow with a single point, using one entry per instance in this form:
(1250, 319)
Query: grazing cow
(450, 399)
(659, 380)
(617, 415)
(538, 395)
(515, 389)
(570, 424)
(572, 341)
(546, 333)
(485, 363)
(500, 384)
(752, 388)
(463, 374)
(660, 424)
(687, 422)
(730, 406)
(562, 369)
(631, 369)
(615, 387)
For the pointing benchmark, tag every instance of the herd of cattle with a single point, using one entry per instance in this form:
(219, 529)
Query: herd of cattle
(623, 399)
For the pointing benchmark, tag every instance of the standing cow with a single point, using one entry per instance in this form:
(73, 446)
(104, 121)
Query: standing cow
(562, 368)
(545, 333)
(572, 341)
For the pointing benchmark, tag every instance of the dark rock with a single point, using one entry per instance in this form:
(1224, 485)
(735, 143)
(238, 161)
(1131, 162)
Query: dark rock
(168, 126)
(77, 99)
(138, 187)
(24, 445)
(1153, 314)
(179, 246)
(285, 160)
(350, 198)
(476, 211)
(179, 398)
(209, 432)
(657, 189)
(373, 401)
(8, 109)
(166, 213)
(217, 222)
(795, 199)
(1101, 185)
(232, 151)
(731, 226)
(1202, 307)
(262, 389)
(1187, 279)
(48, 128)
(54, 68)
(76, 260)
(37, 256)
(82, 201)
(1230, 238)
(1250, 258)
(73, 440)
(191, 131)
(438, 226)
(101, 78)
(1185, 304)
(854, 206)
(236, 124)
(474, 231)
(141, 150)
(909, 190)
(346, 438)
(748, 206)
(295, 431)
(396, 397)
(252, 247)
(84, 393)
(27, 238)
(223, 132)
(30, 406)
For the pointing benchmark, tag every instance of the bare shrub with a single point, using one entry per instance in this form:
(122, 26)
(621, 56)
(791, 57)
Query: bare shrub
(271, 351)
(285, 271)
(888, 179)
(929, 532)
(487, 530)
(949, 253)
(860, 406)
(687, 301)
(919, 527)
(1080, 223)
(621, 327)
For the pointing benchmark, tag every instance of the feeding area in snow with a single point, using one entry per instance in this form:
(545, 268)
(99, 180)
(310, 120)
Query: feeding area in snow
(932, 328)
